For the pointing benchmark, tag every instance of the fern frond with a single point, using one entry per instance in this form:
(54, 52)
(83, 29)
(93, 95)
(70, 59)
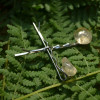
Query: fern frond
(2, 61)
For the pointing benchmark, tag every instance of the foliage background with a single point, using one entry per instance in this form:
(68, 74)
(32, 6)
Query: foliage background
(58, 21)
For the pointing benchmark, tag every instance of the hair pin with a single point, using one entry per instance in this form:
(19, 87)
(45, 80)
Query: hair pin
(82, 36)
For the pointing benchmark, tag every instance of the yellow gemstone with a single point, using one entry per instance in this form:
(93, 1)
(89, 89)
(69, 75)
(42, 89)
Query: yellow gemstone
(68, 68)
(83, 36)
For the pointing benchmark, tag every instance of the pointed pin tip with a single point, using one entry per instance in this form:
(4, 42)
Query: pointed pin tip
(33, 23)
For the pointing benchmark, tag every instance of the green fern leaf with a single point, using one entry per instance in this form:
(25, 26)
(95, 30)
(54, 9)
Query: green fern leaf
(98, 77)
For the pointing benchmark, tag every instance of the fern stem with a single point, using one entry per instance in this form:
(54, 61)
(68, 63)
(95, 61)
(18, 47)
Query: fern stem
(86, 92)
(86, 63)
(84, 60)
(40, 96)
(56, 85)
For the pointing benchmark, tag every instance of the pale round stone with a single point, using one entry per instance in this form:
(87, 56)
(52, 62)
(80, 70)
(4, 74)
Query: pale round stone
(83, 36)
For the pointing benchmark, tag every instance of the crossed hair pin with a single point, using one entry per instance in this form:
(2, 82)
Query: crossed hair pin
(82, 37)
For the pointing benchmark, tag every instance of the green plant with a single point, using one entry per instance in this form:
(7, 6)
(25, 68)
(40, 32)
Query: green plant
(58, 21)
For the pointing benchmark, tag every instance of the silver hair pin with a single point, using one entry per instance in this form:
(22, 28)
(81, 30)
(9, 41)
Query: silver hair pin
(82, 36)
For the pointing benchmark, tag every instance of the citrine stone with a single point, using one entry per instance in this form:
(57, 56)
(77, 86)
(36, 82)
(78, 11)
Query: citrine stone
(67, 67)
(83, 36)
